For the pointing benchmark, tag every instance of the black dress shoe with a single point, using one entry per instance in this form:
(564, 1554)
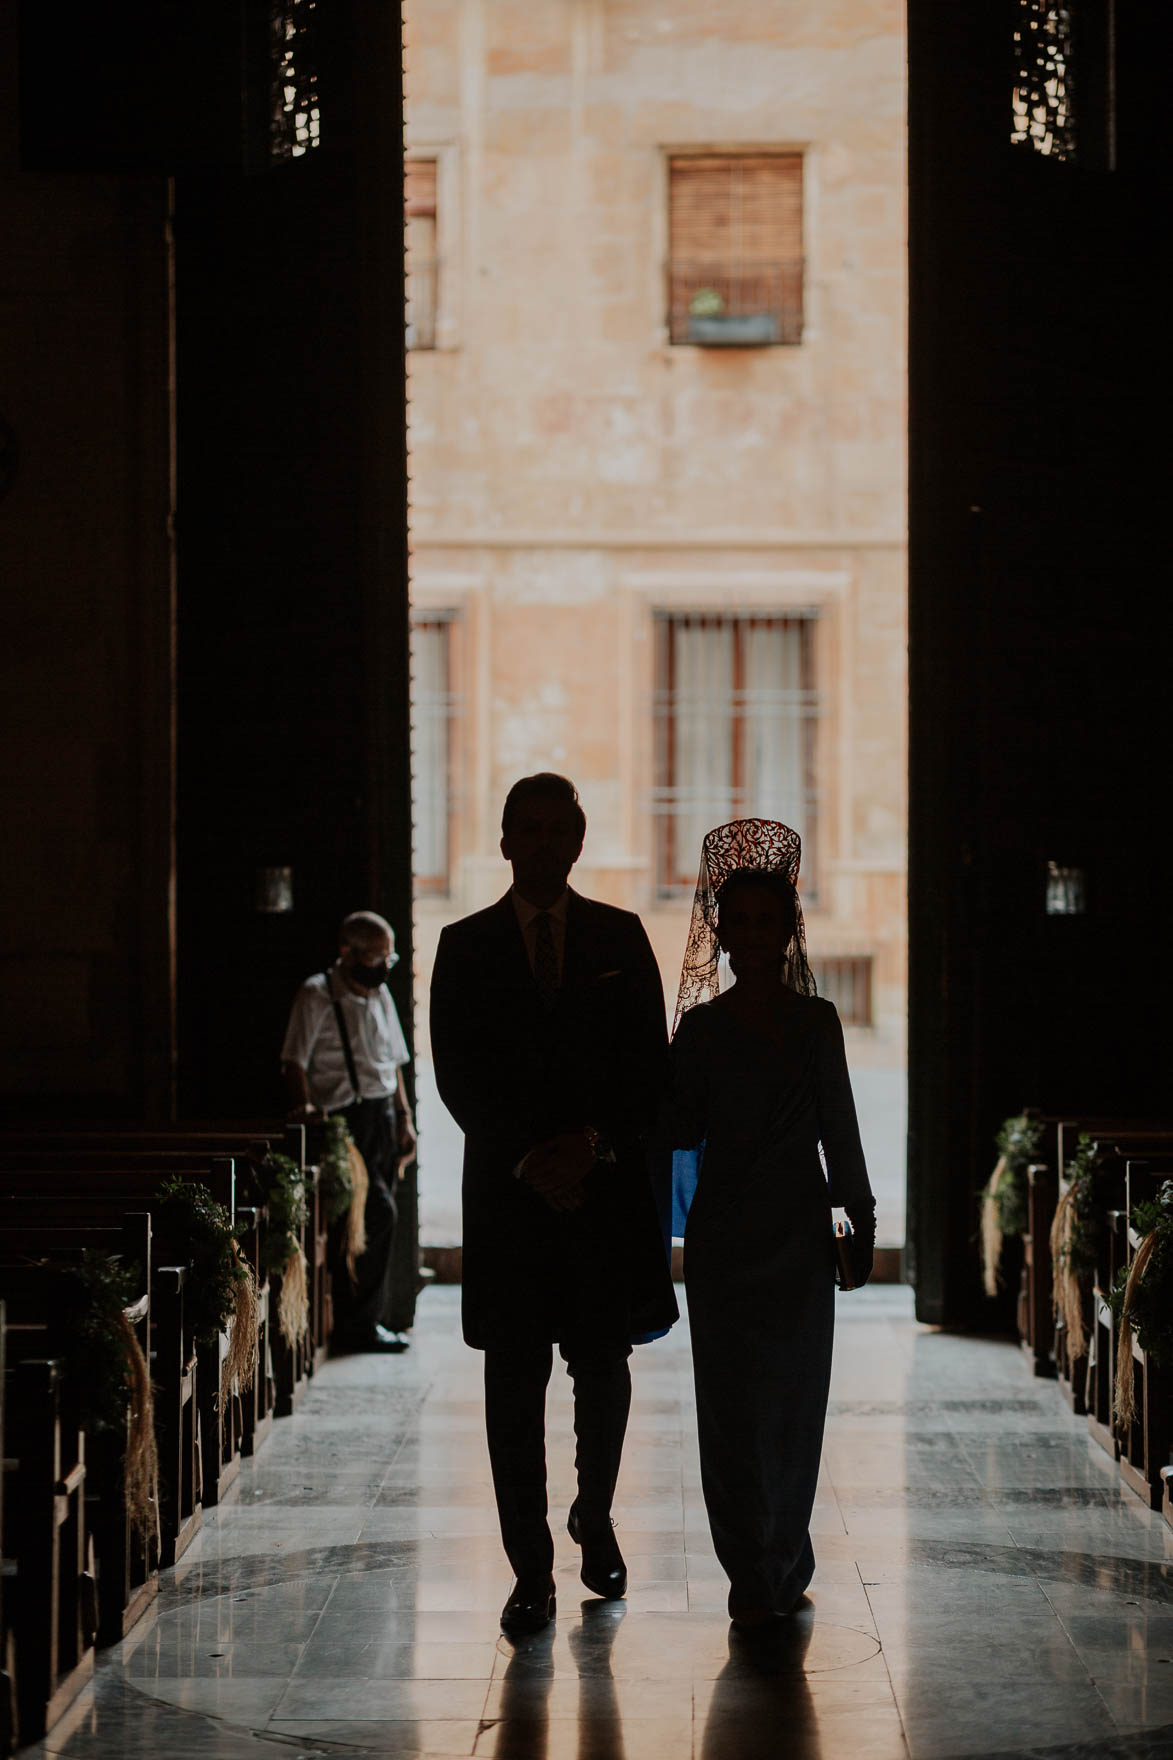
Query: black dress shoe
(531, 1606)
(603, 1570)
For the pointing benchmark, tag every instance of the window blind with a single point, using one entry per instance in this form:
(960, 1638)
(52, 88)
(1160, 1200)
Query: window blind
(736, 210)
(420, 188)
(735, 248)
(735, 719)
(419, 199)
(433, 707)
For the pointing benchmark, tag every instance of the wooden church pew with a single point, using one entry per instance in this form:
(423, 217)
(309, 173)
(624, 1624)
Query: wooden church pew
(7, 1701)
(1073, 1370)
(227, 1428)
(172, 1358)
(292, 1365)
(128, 1576)
(1146, 1443)
(1036, 1322)
(50, 1607)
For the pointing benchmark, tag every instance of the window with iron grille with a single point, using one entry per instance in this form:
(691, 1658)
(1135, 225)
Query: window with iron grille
(846, 980)
(422, 262)
(1042, 107)
(295, 122)
(735, 264)
(735, 718)
(435, 708)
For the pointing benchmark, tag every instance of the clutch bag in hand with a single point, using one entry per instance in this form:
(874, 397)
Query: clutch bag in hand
(844, 1236)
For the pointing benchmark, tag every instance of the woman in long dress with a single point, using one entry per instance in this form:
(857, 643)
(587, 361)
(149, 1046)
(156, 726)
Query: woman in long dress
(760, 1082)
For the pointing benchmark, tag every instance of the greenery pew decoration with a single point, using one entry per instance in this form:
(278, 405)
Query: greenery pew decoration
(221, 1287)
(1075, 1230)
(344, 1181)
(106, 1365)
(1004, 1200)
(282, 1185)
(1142, 1297)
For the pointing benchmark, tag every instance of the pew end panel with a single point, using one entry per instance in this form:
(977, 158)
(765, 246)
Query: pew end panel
(51, 1597)
(126, 1557)
(1036, 1325)
(177, 1418)
(1146, 1443)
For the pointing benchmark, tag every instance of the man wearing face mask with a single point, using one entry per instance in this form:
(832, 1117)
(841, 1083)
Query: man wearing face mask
(344, 1052)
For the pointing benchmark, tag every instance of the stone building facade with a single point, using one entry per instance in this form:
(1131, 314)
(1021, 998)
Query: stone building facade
(657, 423)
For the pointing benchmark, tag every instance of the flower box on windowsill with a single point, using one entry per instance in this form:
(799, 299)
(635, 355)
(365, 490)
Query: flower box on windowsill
(741, 330)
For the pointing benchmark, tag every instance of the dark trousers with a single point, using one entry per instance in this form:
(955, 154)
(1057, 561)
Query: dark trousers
(360, 1305)
(516, 1378)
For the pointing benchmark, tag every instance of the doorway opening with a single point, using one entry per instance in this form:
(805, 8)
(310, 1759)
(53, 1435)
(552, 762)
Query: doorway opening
(657, 425)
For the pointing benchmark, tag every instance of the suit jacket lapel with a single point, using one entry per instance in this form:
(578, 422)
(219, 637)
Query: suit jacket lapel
(515, 960)
(577, 950)
(510, 945)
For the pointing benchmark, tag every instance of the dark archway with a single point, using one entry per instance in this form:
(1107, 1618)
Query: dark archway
(1037, 624)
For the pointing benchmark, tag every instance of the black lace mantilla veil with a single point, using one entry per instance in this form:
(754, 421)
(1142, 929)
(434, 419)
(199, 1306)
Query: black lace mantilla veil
(762, 844)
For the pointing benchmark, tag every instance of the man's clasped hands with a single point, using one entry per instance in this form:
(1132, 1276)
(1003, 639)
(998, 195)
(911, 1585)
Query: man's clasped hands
(557, 1169)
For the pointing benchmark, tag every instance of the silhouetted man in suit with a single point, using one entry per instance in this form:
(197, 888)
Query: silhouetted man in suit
(549, 1044)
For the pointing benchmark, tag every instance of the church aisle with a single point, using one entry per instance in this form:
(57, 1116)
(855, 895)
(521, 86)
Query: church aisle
(983, 1586)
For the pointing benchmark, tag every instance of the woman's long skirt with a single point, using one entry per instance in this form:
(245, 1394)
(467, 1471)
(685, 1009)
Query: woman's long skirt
(761, 1313)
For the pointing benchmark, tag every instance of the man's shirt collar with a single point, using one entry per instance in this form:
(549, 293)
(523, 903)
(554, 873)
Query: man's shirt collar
(526, 912)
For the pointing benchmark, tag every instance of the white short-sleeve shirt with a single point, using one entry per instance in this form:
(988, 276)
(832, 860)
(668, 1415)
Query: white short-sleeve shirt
(376, 1041)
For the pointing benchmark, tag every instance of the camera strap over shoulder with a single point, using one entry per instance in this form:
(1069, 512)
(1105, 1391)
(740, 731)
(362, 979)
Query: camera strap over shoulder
(344, 1035)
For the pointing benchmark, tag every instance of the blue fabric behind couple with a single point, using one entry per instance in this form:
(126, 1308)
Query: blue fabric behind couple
(686, 1167)
(664, 1188)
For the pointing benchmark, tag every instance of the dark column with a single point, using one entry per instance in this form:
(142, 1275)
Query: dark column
(292, 553)
(1036, 644)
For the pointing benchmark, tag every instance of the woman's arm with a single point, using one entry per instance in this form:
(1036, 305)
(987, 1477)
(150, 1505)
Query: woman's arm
(838, 1125)
(682, 1125)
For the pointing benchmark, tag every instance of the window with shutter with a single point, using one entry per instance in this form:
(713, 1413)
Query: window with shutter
(1041, 97)
(735, 716)
(735, 249)
(422, 263)
(435, 706)
(295, 117)
(846, 980)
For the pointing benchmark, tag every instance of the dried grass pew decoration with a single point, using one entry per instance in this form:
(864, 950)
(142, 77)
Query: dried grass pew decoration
(345, 1182)
(1074, 1233)
(282, 1186)
(140, 1463)
(221, 1293)
(1142, 1298)
(106, 1365)
(240, 1364)
(1003, 1204)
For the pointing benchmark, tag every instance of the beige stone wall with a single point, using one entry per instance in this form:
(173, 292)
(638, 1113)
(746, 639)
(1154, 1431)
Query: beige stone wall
(572, 472)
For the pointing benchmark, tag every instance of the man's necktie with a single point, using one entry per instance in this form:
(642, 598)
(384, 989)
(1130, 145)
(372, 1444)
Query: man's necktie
(545, 959)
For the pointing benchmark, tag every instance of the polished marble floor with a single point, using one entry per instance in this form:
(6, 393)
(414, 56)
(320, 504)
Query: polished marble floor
(983, 1586)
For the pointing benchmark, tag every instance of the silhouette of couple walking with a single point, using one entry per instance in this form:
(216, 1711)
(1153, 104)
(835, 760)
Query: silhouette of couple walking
(551, 1052)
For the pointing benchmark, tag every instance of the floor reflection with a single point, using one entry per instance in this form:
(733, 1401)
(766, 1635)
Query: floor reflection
(761, 1707)
(523, 1732)
(596, 1731)
(600, 1728)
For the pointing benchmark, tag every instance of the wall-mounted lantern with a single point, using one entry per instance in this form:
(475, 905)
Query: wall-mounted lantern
(1066, 894)
(274, 889)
